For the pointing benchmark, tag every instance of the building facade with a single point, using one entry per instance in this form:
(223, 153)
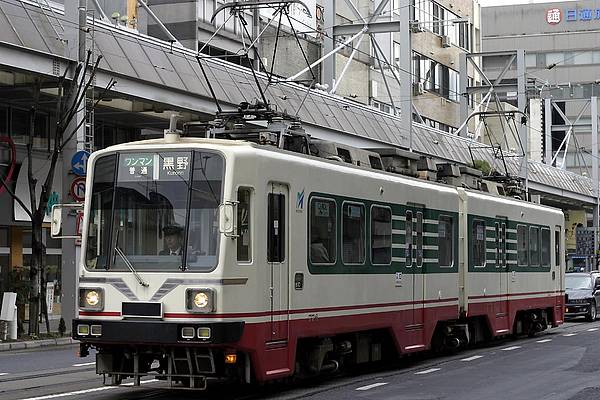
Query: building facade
(562, 62)
(440, 30)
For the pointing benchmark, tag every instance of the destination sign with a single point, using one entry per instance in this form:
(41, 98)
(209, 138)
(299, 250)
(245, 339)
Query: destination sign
(155, 166)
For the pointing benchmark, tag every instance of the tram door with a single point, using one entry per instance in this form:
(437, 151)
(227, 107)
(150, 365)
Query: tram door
(557, 262)
(502, 317)
(278, 260)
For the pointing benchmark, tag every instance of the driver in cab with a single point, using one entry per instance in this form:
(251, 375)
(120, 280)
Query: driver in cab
(173, 241)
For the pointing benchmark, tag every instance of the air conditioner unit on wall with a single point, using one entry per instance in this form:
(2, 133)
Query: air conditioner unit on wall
(416, 27)
(446, 41)
(418, 88)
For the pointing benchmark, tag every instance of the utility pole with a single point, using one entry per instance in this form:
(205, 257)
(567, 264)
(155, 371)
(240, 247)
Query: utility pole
(76, 13)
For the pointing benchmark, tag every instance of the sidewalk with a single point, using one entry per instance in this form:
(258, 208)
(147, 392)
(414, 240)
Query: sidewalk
(32, 344)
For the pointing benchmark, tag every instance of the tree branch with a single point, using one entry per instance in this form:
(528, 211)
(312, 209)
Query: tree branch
(100, 98)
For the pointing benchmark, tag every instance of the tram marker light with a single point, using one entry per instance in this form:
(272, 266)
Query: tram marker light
(83, 330)
(187, 332)
(203, 333)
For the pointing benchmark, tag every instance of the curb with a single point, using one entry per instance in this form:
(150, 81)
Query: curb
(37, 344)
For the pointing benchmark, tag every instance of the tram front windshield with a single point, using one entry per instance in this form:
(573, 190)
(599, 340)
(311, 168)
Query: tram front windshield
(155, 211)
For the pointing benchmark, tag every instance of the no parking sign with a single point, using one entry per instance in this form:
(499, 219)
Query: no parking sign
(78, 189)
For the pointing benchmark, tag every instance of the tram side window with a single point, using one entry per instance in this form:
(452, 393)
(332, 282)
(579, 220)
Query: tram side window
(445, 241)
(522, 245)
(497, 241)
(322, 231)
(478, 243)
(545, 247)
(353, 233)
(244, 239)
(381, 235)
(534, 246)
(556, 247)
(503, 245)
(408, 235)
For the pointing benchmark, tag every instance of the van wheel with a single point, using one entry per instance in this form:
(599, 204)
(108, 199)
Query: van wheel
(591, 315)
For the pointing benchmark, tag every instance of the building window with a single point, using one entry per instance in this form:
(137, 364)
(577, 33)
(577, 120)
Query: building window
(381, 235)
(322, 231)
(445, 241)
(353, 233)
(436, 78)
(440, 20)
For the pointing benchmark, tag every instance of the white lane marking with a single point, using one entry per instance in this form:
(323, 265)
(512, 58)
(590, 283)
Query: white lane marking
(55, 396)
(3, 373)
(471, 358)
(84, 364)
(543, 341)
(569, 334)
(372, 386)
(427, 371)
(593, 329)
(85, 391)
(511, 348)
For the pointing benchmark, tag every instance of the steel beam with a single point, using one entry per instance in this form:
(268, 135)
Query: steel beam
(374, 27)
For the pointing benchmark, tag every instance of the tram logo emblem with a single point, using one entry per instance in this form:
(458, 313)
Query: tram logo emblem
(554, 16)
(300, 201)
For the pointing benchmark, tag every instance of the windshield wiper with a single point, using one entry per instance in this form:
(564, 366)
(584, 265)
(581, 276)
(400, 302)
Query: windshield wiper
(130, 266)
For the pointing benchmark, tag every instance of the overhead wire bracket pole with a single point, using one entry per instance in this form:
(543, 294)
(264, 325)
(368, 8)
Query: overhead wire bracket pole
(212, 91)
(167, 32)
(348, 62)
(326, 56)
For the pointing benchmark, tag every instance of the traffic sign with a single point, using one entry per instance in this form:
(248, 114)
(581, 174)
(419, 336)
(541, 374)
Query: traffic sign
(79, 162)
(78, 189)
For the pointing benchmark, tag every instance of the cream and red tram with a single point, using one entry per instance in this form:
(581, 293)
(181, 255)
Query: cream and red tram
(284, 263)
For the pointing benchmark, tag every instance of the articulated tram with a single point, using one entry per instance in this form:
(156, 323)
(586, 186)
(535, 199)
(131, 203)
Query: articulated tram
(209, 259)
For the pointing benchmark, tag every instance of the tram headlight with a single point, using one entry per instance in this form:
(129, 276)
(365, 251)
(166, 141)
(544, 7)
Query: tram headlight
(200, 300)
(91, 299)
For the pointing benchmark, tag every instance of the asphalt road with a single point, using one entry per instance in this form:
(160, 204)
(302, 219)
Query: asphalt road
(560, 364)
